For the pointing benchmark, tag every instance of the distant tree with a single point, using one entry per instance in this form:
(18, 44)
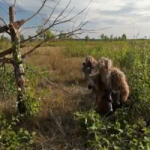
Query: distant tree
(62, 36)
(45, 35)
(87, 38)
(29, 38)
(22, 37)
(3, 38)
(102, 36)
(115, 38)
(106, 38)
(48, 34)
(111, 37)
(120, 38)
(124, 37)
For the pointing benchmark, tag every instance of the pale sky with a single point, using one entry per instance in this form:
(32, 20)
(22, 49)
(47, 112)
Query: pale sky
(131, 17)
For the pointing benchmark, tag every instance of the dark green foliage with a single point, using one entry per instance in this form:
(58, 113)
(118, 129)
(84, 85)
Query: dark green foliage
(121, 133)
(11, 136)
(11, 139)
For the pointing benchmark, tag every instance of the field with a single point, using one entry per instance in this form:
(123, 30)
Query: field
(65, 119)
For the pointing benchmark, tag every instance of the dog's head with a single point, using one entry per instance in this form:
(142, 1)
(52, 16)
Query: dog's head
(89, 65)
(104, 64)
(86, 68)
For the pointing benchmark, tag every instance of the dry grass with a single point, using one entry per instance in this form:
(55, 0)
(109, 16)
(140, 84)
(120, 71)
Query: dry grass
(55, 125)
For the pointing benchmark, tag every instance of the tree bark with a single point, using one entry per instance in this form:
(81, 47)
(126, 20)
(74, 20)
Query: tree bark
(17, 62)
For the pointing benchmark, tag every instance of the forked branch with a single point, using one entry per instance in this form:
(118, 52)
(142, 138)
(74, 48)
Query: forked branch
(58, 21)
(36, 12)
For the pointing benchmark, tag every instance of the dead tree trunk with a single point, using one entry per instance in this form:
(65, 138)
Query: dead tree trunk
(17, 62)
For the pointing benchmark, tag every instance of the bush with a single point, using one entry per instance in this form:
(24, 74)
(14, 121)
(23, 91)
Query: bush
(11, 139)
(103, 134)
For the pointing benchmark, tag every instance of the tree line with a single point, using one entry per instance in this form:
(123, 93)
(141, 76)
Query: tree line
(62, 36)
(107, 38)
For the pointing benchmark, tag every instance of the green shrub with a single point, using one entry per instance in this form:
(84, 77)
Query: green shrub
(12, 139)
(130, 129)
(103, 134)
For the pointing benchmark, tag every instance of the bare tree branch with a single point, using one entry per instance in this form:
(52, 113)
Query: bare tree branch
(3, 21)
(5, 2)
(62, 11)
(52, 12)
(67, 20)
(5, 25)
(4, 9)
(3, 29)
(85, 16)
(67, 14)
(14, 2)
(95, 31)
(6, 60)
(57, 22)
(51, 83)
(36, 12)
(29, 28)
(33, 49)
(78, 30)
(38, 45)
(8, 51)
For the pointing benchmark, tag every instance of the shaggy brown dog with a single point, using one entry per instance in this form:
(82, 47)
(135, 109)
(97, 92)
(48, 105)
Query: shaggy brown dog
(113, 79)
(109, 85)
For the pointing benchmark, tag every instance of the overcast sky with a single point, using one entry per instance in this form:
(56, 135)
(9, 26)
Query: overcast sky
(131, 17)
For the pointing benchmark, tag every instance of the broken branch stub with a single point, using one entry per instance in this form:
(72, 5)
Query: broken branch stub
(3, 29)
(16, 24)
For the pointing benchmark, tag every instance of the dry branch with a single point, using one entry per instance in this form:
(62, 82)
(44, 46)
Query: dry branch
(38, 45)
(51, 83)
(16, 24)
(8, 51)
(3, 21)
(36, 12)
(58, 21)
(3, 29)
(6, 60)
(14, 2)
(29, 28)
